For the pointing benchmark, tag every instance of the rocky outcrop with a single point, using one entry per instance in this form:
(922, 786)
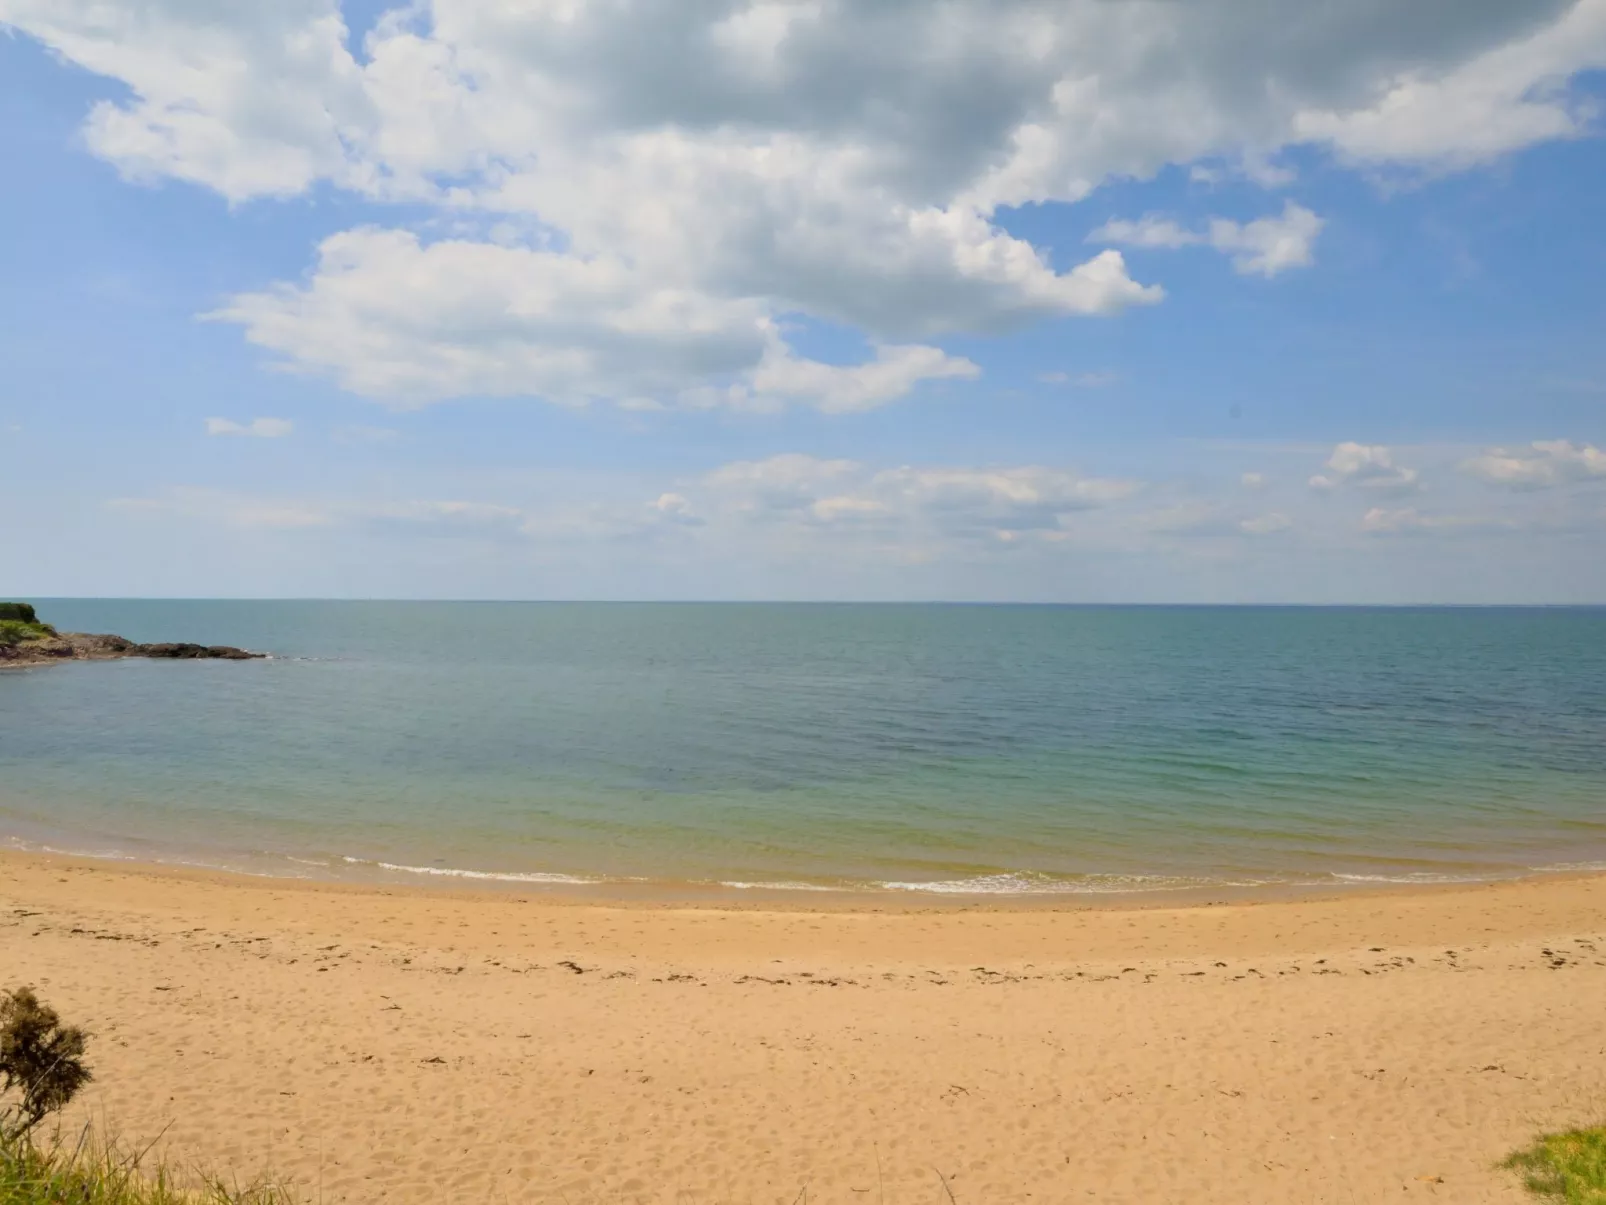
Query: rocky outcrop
(194, 652)
(45, 646)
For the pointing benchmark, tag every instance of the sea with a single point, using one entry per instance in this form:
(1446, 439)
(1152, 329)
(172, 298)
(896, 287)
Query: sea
(742, 751)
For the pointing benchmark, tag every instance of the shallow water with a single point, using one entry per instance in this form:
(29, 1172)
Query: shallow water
(948, 750)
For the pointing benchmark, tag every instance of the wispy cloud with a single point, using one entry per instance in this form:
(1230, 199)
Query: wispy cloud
(257, 428)
(1080, 380)
(231, 509)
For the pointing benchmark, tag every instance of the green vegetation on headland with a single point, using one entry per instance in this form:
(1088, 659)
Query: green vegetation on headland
(1567, 1168)
(15, 631)
(19, 623)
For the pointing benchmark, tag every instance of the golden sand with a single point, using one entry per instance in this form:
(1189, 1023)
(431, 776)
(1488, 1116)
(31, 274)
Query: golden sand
(423, 1046)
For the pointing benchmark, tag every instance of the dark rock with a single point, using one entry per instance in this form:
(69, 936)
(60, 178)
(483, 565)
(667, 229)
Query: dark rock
(192, 652)
(90, 645)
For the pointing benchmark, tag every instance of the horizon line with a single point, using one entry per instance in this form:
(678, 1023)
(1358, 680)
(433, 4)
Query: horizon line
(809, 602)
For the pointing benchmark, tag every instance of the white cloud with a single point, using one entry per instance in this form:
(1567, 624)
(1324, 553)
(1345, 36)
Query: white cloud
(450, 519)
(838, 388)
(789, 497)
(257, 428)
(674, 508)
(1149, 232)
(1266, 524)
(1541, 465)
(1253, 481)
(953, 502)
(1263, 247)
(1267, 246)
(1367, 467)
(1207, 518)
(392, 317)
(662, 185)
(231, 509)
(1407, 521)
(1500, 100)
(1081, 380)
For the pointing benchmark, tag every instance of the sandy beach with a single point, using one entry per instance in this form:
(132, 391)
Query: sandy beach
(423, 1046)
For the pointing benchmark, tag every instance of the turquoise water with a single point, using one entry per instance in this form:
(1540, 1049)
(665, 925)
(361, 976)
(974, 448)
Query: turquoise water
(951, 750)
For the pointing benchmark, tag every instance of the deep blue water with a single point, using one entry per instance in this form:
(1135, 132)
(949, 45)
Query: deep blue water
(952, 749)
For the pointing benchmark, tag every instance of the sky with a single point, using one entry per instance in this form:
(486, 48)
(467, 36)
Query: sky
(1004, 300)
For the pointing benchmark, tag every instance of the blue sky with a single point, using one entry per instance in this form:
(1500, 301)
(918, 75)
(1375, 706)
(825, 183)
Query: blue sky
(1068, 302)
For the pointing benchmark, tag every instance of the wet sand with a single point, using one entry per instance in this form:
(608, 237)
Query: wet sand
(397, 1045)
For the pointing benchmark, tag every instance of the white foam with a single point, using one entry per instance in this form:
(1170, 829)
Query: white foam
(453, 872)
(1569, 868)
(1036, 884)
(784, 886)
(1415, 876)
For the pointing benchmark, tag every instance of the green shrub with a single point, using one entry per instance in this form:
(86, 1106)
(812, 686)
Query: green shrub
(14, 632)
(41, 1060)
(1567, 1168)
(21, 612)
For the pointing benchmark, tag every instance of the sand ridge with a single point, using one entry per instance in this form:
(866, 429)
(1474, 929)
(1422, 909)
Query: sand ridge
(429, 1046)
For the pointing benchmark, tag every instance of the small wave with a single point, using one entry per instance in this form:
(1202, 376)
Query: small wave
(107, 855)
(783, 886)
(453, 872)
(1424, 877)
(1042, 884)
(1569, 868)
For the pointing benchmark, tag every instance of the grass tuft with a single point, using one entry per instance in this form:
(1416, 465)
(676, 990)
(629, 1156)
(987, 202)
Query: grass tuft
(1569, 1168)
(92, 1173)
(16, 631)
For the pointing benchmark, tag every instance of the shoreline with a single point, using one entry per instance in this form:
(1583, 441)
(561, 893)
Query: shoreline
(412, 1044)
(383, 878)
(648, 897)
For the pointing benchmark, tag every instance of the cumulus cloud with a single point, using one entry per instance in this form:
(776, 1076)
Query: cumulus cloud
(670, 183)
(674, 508)
(257, 428)
(1498, 100)
(1263, 247)
(839, 388)
(395, 318)
(1541, 465)
(1367, 467)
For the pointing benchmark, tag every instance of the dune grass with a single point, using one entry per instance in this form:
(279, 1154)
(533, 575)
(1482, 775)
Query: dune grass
(1569, 1168)
(87, 1172)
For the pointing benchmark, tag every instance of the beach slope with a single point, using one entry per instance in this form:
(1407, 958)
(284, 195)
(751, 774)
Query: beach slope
(376, 1045)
